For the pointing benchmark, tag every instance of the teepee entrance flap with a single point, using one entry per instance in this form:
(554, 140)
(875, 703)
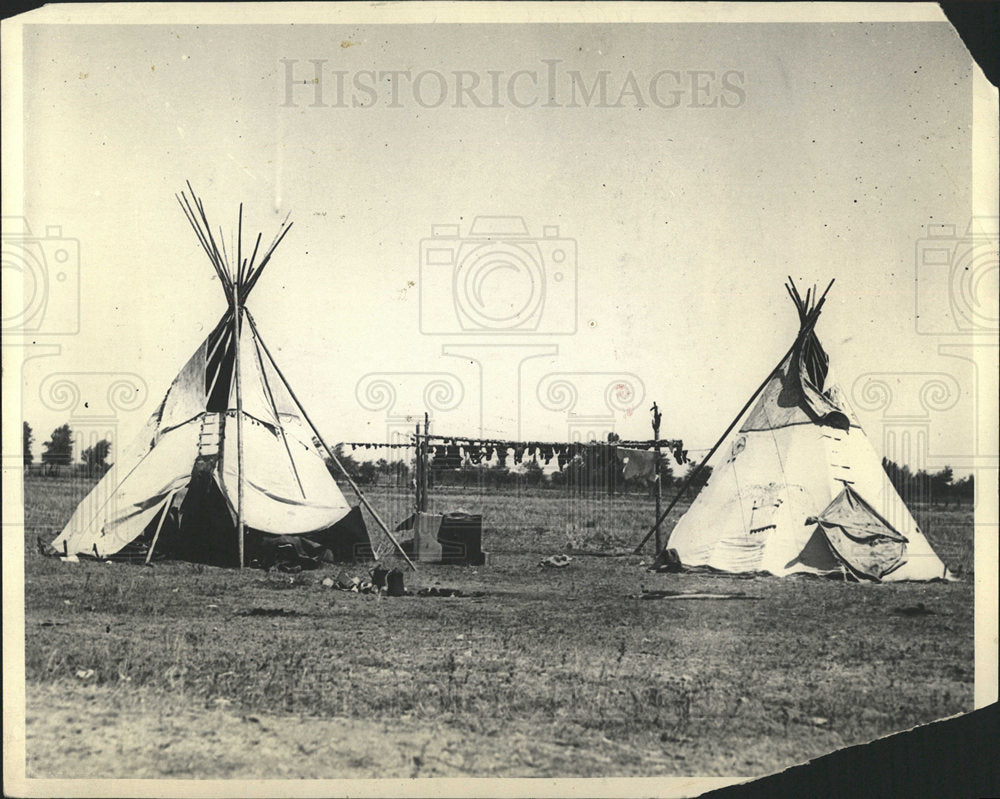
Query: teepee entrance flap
(860, 536)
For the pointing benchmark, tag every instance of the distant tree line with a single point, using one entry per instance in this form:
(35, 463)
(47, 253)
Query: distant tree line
(593, 470)
(935, 488)
(369, 472)
(57, 453)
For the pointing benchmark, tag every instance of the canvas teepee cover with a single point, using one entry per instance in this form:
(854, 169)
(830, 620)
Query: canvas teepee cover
(228, 450)
(797, 487)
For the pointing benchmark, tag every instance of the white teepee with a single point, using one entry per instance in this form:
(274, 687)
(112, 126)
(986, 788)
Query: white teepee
(798, 487)
(228, 458)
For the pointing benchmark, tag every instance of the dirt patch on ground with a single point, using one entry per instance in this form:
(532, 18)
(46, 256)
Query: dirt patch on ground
(80, 732)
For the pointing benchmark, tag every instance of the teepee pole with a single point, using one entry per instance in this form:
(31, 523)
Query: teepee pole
(189, 212)
(274, 407)
(159, 525)
(239, 247)
(425, 464)
(711, 452)
(238, 312)
(358, 492)
(417, 460)
(252, 280)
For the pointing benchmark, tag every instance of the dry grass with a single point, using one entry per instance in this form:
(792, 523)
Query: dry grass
(551, 672)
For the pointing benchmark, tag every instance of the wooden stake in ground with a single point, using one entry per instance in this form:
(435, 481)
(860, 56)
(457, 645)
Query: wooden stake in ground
(611, 465)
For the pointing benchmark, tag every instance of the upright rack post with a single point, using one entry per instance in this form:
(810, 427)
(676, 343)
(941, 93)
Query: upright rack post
(424, 471)
(418, 478)
(657, 487)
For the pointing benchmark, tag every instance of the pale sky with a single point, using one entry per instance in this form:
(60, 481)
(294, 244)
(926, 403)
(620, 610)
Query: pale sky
(840, 144)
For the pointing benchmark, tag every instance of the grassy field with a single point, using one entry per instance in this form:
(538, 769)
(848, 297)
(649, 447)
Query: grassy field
(183, 670)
